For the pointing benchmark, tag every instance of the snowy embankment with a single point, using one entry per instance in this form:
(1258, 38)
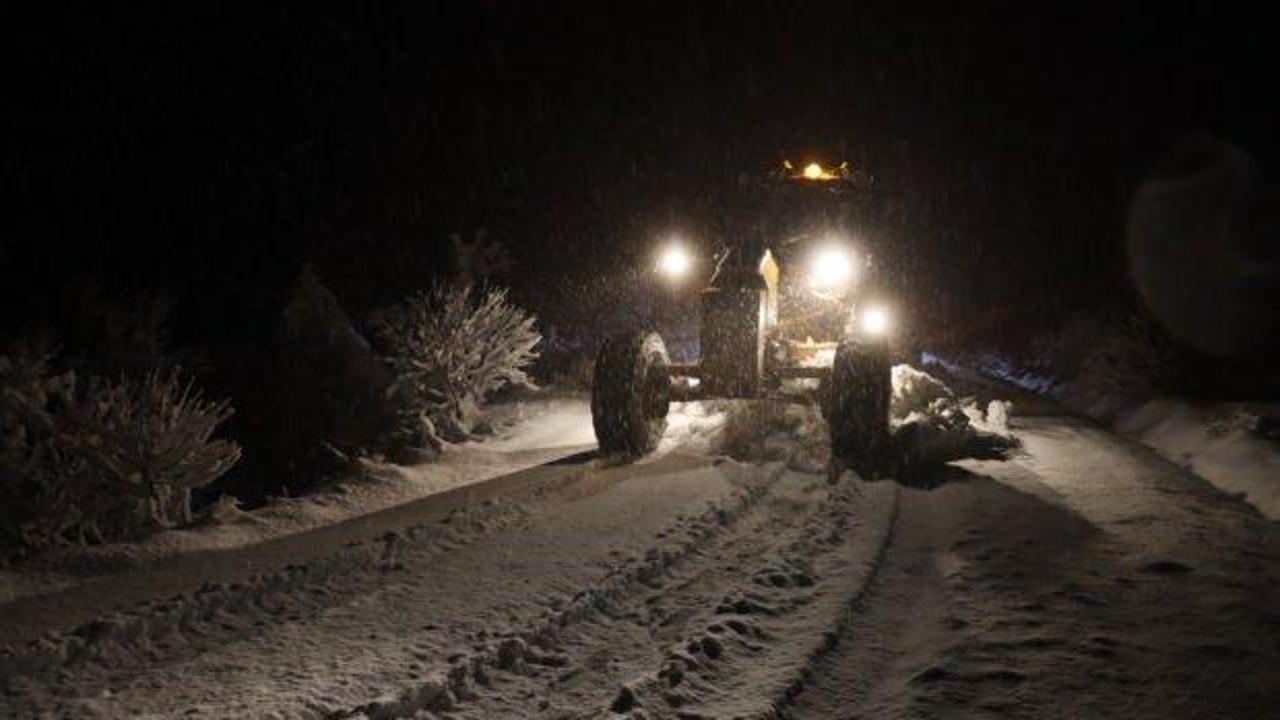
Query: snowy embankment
(527, 433)
(1227, 444)
(1223, 444)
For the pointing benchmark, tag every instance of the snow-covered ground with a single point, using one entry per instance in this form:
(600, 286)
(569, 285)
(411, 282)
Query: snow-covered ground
(723, 577)
(1087, 579)
(1223, 443)
(528, 433)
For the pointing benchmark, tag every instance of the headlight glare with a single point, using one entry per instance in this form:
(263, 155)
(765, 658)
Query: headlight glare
(874, 320)
(674, 261)
(831, 269)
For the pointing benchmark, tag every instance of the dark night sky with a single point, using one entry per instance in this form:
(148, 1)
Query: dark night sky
(212, 148)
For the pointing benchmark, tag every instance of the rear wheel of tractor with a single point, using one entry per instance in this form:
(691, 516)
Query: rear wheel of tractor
(856, 405)
(630, 394)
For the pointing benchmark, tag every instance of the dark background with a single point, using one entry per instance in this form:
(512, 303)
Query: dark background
(213, 149)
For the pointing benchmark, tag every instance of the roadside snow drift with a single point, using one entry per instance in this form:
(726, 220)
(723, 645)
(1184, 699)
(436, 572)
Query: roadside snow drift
(1221, 443)
(1225, 444)
(527, 434)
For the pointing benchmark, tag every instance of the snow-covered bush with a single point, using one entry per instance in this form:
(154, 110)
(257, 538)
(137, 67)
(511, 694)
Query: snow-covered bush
(451, 346)
(146, 444)
(100, 460)
(37, 473)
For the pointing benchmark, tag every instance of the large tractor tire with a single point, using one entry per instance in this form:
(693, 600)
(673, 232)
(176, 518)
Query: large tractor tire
(630, 394)
(856, 405)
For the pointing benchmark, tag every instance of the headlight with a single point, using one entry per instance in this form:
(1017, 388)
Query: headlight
(674, 262)
(874, 320)
(831, 270)
(814, 171)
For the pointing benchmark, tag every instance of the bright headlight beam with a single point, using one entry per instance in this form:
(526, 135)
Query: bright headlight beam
(831, 269)
(674, 262)
(875, 320)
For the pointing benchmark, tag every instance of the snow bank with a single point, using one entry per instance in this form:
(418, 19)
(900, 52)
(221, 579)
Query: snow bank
(931, 426)
(530, 433)
(695, 426)
(915, 391)
(917, 395)
(775, 431)
(1220, 443)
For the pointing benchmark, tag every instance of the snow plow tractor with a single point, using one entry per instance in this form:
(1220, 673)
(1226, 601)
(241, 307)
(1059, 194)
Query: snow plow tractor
(791, 311)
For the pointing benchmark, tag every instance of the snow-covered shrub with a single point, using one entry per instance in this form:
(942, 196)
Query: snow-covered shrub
(101, 460)
(146, 444)
(37, 473)
(451, 346)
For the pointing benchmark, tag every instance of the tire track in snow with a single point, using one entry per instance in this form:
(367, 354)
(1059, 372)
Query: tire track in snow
(639, 628)
(186, 625)
(760, 646)
(76, 693)
(864, 570)
(112, 649)
(896, 610)
(537, 645)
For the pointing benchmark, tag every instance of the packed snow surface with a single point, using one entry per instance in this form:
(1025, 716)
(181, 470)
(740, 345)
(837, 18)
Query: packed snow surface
(725, 576)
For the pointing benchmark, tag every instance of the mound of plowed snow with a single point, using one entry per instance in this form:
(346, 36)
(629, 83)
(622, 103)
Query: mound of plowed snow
(1222, 444)
(932, 426)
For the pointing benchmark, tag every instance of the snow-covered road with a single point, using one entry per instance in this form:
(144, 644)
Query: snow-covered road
(1086, 578)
